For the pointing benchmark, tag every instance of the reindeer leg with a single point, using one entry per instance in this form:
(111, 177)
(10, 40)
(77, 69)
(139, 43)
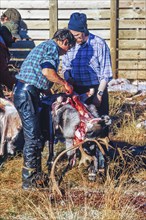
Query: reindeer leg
(3, 136)
(71, 157)
(84, 157)
(101, 149)
(51, 155)
(105, 142)
(51, 139)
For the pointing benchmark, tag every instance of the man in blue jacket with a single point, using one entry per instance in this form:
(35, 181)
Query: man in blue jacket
(87, 66)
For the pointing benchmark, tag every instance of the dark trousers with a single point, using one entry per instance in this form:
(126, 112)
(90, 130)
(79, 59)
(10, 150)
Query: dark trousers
(26, 101)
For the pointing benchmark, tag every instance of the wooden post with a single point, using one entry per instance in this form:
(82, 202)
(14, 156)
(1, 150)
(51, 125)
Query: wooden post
(53, 15)
(114, 36)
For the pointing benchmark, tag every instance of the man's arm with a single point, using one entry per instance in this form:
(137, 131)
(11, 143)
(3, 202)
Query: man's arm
(105, 71)
(105, 65)
(52, 76)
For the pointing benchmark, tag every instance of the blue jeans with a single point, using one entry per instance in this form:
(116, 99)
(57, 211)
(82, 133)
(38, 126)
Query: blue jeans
(26, 101)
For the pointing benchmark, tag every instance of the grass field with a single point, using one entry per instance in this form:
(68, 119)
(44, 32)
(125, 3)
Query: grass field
(83, 200)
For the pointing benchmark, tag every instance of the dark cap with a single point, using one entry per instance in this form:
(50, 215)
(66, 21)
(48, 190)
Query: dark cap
(78, 22)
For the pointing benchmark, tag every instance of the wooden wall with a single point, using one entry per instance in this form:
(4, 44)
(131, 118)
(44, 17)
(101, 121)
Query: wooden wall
(132, 39)
(130, 25)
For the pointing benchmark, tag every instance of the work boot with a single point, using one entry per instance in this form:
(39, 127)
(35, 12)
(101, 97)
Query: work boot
(32, 180)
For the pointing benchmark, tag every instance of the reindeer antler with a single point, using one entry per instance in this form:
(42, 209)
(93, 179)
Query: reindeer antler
(84, 158)
(104, 141)
(55, 187)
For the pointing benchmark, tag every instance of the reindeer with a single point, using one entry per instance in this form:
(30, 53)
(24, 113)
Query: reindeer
(80, 125)
(10, 127)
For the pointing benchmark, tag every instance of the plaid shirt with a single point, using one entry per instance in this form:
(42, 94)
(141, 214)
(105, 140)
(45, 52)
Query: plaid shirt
(45, 55)
(89, 63)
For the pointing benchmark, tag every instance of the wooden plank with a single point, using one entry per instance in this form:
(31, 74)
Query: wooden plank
(132, 13)
(132, 34)
(132, 74)
(131, 3)
(136, 65)
(32, 14)
(15, 59)
(13, 49)
(37, 42)
(24, 4)
(132, 23)
(95, 13)
(38, 34)
(132, 44)
(53, 13)
(63, 14)
(44, 24)
(113, 36)
(91, 14)
(132, 54)
(74, 4)
(37, 24)
(92, 24)
(101, 33)
(83, 4)
(16, 63)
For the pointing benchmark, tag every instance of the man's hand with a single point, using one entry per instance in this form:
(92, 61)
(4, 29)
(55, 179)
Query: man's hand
(68, 88)
(52, 76)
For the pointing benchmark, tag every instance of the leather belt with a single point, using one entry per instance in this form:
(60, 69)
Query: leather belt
(26, 86)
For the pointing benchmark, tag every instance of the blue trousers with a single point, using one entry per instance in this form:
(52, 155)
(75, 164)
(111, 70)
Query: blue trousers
(26, 101)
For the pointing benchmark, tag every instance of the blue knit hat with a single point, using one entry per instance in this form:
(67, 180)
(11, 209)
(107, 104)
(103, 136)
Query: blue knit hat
(78, 22)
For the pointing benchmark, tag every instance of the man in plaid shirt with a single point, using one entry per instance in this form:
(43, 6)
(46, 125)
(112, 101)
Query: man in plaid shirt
(37, 73)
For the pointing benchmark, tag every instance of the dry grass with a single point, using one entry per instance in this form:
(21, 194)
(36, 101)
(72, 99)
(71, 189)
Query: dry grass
(125, 118)
(83, 200)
